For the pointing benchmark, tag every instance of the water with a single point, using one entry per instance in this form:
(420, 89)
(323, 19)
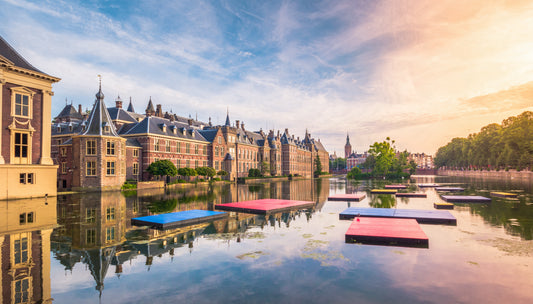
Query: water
(95, 255)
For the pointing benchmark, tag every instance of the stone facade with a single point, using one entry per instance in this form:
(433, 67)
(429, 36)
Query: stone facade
(26, 166)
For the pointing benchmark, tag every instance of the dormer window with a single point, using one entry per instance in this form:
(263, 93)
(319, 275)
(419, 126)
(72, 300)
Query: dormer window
(106, 126)
(164, 127)
(183, 131)
(58, 128)
(174, 129)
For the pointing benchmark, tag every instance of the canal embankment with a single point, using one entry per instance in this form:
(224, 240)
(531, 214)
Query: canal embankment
(524, 175)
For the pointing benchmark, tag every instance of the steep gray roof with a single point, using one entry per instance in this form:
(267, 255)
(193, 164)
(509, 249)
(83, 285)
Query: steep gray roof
(130, 107)
(70, 112)
(10, 54)
(99, 122)
(132, 142)
(155, 125)
(120, 114)
(209, 134)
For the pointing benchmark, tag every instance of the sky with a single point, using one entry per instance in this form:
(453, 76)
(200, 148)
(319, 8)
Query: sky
(419, 71)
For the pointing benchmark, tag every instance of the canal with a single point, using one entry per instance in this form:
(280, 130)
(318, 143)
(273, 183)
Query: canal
(82, 248)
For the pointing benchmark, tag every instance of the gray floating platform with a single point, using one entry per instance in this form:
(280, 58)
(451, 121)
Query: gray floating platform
(421, 216)
(399, 194)
(428, 185)
(450, 189)
(466, 199)
(177, 219)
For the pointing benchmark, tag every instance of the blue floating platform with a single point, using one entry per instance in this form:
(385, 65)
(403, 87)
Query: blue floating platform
(465, 199)
(178, 219)
(421, 216)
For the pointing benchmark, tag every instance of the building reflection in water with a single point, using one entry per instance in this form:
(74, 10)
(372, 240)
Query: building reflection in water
(25, 250)
(95, 228)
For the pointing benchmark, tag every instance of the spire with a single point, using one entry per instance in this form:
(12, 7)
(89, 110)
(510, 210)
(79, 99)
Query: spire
(227, 124)
(347, 139)
(150, 108)
(99, 122)
(130, 107)
(99, 95)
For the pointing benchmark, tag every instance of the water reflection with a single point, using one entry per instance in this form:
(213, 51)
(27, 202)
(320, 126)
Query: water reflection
(25, 250)
(95, 228)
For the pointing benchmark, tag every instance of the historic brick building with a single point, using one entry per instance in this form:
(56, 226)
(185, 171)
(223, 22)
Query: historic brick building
(125, 143)
(26, 167)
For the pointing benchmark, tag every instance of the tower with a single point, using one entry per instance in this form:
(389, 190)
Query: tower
(347, 147)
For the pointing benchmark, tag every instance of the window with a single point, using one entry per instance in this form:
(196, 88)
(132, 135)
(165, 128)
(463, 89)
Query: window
(188, 164)
(219, 140)
(110, 148)
(135, 170)
(156, 145)
(21, 252)
(90, 236)
(135, 153)
(178, 163)
(188, 148)
(22, 105)
(90, 149)
(178, 147)
(21, 145)
(30, 218)
(196, 149)
(216, 151)
(64, 168)
(22, 178)
(110, 234)
(22, 290)
(205, 163)
(110, 168)
(196, 164)
(110, 214)
(63, 151)
(216, 165)
(205, 150)
(90, 215)
(91, 168)
(168, 146)
(58, 142)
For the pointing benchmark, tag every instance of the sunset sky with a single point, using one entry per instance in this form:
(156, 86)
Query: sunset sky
(420, 71)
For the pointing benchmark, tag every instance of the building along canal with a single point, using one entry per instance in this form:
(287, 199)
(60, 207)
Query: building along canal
(82, 248)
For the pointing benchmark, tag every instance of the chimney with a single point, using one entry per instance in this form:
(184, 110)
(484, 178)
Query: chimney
(237, 124)
(80, 109)
(189, 121)
(287, 131)
(118, 103)
(158, 111)
(242, 125)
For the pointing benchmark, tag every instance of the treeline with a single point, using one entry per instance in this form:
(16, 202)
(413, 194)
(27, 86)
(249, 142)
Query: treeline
(505, 146)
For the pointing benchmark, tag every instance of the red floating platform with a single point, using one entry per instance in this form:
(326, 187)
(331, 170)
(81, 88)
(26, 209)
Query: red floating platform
(347, 197)
(387, 231)
(264, 206)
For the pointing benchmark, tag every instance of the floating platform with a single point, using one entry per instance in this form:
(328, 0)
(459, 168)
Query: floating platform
(465, 199)
(264, 206)
(421, 216)
(387, 231)
(443, 205)
(504, 194)
(411, 194)
(383, 191)
(428, 185)
(355, 197)
(395, 186)
(177, 219)
(449, 189)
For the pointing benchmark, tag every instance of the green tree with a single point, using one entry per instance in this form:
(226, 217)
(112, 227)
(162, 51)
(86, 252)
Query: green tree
(264, 167)
(187, 172)
(163, 167)
(318, 165)
(355, 173)
(254, 173)
(222, 173)
(384, 155)
(206, 171)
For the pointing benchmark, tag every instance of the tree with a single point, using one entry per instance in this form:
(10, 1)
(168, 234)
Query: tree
(186, 172)
(222, 173)
(264, 167)
(254, 173)
(163, 167)
(206, 171)
(355, 173)
(318, 165)
(384, 155)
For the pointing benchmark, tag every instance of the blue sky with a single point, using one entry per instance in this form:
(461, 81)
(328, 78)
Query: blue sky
(421, 72)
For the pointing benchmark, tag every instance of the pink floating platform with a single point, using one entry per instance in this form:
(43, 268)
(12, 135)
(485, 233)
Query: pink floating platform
(387, 231)
(264, 206)
(347, 197)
